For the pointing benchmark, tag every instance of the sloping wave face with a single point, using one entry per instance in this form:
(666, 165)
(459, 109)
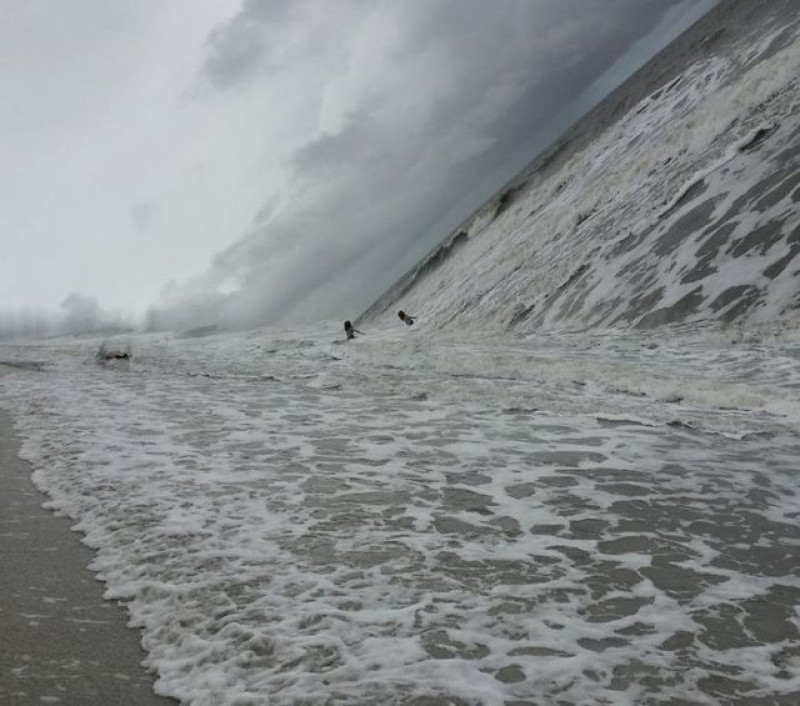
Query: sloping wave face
(676, 200)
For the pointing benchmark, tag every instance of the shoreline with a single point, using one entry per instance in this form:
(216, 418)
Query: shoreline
(60, 640)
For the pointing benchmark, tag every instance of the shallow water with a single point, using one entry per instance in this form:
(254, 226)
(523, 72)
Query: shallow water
(414, 518)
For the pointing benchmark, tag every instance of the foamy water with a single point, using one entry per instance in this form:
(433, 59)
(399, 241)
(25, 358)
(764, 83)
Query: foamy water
(420, 518)
(683, 208)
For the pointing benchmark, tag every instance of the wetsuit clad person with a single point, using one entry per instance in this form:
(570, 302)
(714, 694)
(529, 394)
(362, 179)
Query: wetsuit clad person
(408, 319)
(350, 330)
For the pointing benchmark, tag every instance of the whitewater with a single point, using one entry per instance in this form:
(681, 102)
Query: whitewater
(572, 481)
(419, 518)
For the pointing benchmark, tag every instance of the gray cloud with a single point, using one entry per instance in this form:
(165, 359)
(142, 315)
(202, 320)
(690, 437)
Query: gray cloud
(241, 46)
(142, 214)
(266, 36)
(461, 93)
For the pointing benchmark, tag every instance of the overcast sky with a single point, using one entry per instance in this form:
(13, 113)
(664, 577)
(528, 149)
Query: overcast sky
(278, 157)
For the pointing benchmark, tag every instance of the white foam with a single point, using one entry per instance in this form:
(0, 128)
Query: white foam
(418, 530)
(624, 182)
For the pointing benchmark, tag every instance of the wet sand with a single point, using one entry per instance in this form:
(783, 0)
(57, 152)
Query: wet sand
(60, 641)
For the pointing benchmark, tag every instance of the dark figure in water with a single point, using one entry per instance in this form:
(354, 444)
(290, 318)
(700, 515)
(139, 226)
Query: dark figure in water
(351, 331)
(105, 353)
(406, 318)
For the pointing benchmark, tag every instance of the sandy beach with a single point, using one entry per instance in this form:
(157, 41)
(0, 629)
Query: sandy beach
(60, 641)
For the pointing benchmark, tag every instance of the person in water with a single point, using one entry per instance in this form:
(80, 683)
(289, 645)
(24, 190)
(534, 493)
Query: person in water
(351, 331)
(406, 318)
(104, 353)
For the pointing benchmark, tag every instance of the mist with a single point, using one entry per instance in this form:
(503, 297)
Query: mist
(77, 315)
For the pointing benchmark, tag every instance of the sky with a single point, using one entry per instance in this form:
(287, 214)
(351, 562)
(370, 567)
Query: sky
(257, 160)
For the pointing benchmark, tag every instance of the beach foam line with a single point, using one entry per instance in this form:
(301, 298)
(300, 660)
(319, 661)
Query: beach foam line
(60, 641)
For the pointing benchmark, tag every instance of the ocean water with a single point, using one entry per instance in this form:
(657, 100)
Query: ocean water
(419, 517)
(676, 200)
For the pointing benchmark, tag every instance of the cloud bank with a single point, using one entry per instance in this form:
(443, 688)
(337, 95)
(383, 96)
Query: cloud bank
(418, 108)
(278, 160)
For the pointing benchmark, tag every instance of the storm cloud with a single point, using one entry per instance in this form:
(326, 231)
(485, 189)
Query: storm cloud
(425, 106)
(285, 159)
